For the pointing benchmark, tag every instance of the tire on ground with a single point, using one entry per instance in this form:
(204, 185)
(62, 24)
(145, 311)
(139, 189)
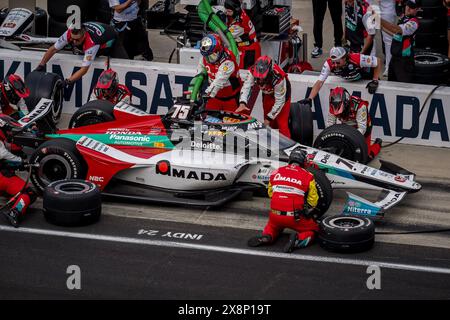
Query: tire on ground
(301, 123)
(57, 159)
(93, 112)
(72, 202)
(46, 85)
(344, 140)
(431, 63)
(343, 233)
(324, 190)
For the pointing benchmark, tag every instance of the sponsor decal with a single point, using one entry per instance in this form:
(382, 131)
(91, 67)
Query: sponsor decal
(325, 159)
(159, 145)
(122, 131)
(205, 145)
(400, 179)
(230, 120)
(130, 138)
(255, 125)
(96, 179)
(163, 167)
(216, 133)
(279, 177)
(394, 199)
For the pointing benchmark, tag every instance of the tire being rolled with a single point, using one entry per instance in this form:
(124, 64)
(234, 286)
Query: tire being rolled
(72, 202)
(46, 85)
(343, 139)
(301, 123)
(342, 233)
(93, 112)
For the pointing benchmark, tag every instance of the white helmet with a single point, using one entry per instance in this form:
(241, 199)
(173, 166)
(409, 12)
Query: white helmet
(337, 53)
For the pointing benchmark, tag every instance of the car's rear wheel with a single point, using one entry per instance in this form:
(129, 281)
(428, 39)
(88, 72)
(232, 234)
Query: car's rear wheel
(93, 112)
(324, 190)
(301, 122)
(56, 159)
(343, 140)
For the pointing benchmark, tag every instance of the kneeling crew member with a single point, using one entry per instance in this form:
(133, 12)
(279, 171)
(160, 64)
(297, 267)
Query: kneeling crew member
(289, 187)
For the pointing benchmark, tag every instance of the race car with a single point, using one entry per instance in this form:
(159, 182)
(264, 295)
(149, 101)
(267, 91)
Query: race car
(194, 157)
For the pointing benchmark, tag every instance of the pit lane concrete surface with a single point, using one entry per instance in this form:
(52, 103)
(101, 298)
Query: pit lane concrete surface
(163, 252)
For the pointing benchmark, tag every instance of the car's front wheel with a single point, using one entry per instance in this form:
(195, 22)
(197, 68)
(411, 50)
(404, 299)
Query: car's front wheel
(55, 160)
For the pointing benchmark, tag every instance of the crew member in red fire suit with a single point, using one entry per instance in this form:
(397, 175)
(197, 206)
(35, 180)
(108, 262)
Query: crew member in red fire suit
(276, 89)
(11, 184)
(222, 71)
(13, 93)
(108, 88)
(293, 192)
(353, 111)
(243, 31)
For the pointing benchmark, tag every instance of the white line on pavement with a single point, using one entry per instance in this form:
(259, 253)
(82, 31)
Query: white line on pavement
(172, 244)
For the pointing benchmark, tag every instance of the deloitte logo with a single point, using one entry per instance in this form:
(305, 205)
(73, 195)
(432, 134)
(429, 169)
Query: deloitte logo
(205, 145)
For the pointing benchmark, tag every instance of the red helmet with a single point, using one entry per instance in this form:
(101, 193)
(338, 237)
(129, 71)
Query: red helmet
(107, 84)
(14, 88)
(211, 48)
(262, 71)
(339, 100)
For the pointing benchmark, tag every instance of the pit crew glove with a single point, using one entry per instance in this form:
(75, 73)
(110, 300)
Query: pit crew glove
(372, 86)
(67, 82)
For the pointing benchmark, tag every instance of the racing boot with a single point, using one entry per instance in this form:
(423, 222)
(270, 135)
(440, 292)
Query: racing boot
(298, 242)
(259, 241)
(375, 148)
(13, 217)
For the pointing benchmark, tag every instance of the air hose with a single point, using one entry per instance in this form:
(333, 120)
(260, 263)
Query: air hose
(420, 112)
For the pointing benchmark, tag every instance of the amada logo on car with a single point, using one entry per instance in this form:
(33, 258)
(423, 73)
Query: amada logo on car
(164, 167)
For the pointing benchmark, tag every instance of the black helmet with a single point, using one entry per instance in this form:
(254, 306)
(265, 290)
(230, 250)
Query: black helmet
(298, 156)
(234, 5)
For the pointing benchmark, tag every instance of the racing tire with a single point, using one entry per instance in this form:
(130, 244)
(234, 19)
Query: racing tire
(57, 159)
(40, 22)
(301, 122)
(431, 63)
(346, 234)
(46, 85)
(93, 112)
(432, 42)
(345, 141)
(324, 190)
(432, 25)
(72, 203)
(430, 3)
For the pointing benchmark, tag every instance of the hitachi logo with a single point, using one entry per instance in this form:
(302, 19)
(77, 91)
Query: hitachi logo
(279, 177)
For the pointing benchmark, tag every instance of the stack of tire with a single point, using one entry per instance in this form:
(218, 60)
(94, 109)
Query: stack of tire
(432, 33)
(40, 20)
(432, 64)
(58, 16)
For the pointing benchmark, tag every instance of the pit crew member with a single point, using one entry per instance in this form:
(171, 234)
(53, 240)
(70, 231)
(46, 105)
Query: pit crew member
(401, 67)
(93, 38)
(351, 67)
(109, 88)
(13, 93)
(293, 191)
(219, 65)
(358, 29)
(10, 183)
(243, 31)
(276, 89)
(353, 111)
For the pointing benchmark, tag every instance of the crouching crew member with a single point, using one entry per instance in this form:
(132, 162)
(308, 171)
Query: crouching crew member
(12, 96)
(353, 111)
(109, 88)
(10, 183)
(293, 192)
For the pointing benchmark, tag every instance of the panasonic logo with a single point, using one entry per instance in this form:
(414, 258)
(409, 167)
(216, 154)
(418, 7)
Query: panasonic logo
(279, 177)
(130, 138)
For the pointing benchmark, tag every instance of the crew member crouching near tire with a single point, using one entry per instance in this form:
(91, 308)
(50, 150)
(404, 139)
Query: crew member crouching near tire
(222, 71)
(353, 111)
(243, 31)
(109, 88)
(9, 182)
(289, 187)
(13, 93)
(276, 90)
